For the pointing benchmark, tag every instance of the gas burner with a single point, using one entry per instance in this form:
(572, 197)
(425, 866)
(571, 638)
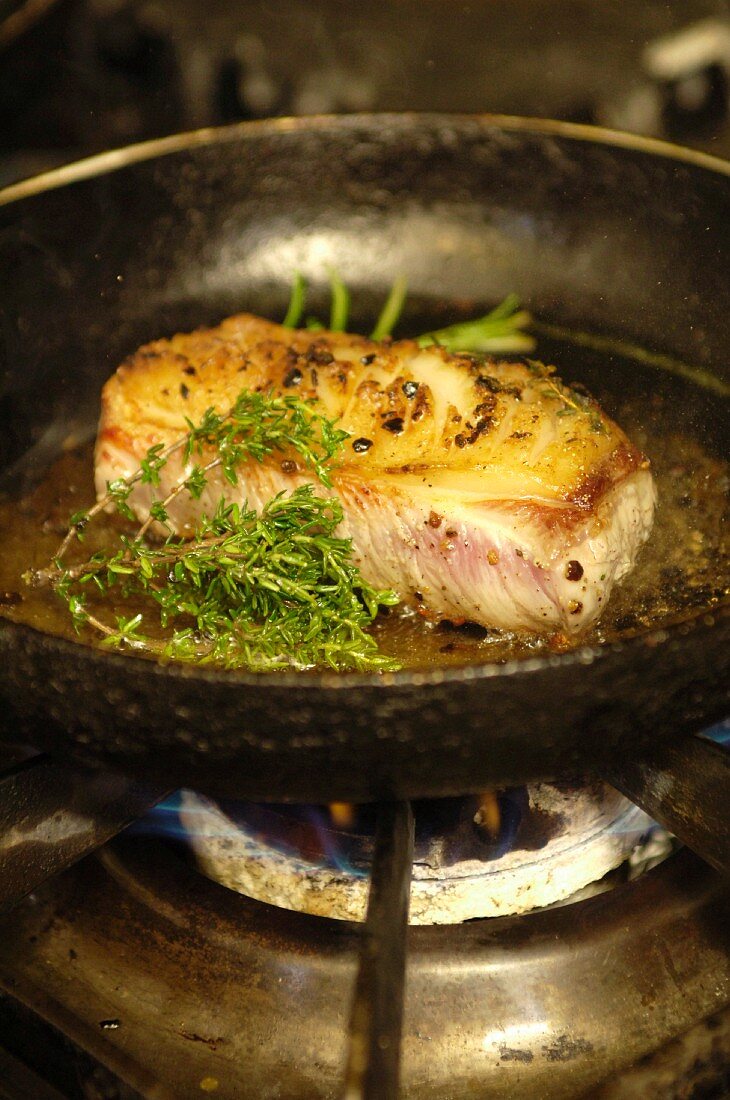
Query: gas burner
(520, 850)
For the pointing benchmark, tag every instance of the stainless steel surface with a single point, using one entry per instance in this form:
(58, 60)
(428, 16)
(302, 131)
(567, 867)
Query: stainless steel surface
(685, 787)
(694, 1066)
(206, 985)
(52, 815)
(373, 1063)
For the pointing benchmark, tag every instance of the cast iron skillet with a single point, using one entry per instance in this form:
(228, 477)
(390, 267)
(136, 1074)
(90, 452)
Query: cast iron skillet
(595, 230)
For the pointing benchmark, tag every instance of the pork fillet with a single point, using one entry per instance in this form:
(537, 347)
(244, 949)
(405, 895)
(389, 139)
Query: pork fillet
(478, 490)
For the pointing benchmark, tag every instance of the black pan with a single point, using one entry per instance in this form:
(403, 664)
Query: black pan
(598, 231)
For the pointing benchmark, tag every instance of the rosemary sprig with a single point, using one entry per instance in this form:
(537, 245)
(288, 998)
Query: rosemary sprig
(501, 330)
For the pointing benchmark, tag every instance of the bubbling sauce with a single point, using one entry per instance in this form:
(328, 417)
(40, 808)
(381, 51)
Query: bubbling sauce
(683, 567)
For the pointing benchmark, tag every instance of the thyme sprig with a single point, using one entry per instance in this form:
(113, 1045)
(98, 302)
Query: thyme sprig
(255, 426)
(259, 591)
(571, 400)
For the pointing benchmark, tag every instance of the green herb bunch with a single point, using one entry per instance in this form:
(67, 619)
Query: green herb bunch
(256, 591)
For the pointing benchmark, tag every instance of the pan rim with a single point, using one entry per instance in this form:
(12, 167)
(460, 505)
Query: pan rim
(114, 160)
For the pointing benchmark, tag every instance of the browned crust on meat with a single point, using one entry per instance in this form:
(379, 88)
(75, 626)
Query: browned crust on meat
(622, 462)
(383, 398)
(117, 438)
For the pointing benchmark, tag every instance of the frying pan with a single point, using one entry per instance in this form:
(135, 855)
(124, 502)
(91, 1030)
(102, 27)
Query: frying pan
(602, 232)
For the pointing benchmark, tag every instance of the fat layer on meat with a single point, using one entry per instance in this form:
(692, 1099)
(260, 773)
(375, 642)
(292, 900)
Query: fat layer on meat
(479, 490)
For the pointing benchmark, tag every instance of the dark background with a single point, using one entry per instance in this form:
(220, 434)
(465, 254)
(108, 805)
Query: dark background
(78, 76)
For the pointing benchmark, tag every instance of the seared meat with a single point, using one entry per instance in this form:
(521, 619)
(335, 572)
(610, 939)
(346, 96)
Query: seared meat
(478, 490)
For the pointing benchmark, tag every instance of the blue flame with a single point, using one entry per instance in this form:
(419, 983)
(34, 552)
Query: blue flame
(164, 821)
(334, 852)
(720, 733)
(513, 805)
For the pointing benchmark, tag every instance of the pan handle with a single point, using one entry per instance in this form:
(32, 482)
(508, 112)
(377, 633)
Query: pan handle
(685, 786)
(52, 815)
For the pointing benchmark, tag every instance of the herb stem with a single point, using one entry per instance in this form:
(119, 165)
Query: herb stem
(76, 528)
(340, 304)
(182, 484)
(391, 310)
(296, 301)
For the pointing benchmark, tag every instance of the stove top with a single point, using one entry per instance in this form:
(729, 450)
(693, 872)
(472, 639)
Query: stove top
(169, 984)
